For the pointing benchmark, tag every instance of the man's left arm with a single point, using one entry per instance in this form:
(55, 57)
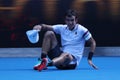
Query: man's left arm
(92, 44)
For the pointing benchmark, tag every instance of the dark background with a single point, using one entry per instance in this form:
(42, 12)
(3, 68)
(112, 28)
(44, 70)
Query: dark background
(102, 18)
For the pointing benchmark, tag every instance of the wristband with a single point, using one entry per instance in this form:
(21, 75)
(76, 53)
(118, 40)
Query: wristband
(90, 55)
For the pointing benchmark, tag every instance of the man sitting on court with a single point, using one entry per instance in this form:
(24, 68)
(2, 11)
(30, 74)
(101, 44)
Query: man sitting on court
(73, 38)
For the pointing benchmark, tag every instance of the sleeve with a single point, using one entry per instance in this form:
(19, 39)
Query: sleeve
(57, 28)
(86, 34)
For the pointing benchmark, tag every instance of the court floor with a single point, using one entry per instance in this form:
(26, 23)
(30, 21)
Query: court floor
(22, 69)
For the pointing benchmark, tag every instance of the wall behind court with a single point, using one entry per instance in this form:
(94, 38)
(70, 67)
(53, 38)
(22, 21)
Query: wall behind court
(101, 17)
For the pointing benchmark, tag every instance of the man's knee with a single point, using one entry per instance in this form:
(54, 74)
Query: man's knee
(68, 58)
(49, 34)
(51, 37)
(65, 65)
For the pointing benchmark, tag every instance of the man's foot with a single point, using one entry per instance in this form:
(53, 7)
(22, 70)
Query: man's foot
(36, 66)
(43, 64)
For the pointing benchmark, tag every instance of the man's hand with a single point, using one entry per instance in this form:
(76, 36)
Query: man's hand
(91, 64)
(37, 27)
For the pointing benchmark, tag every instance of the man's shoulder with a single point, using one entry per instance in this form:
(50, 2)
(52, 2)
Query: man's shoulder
(81, 26)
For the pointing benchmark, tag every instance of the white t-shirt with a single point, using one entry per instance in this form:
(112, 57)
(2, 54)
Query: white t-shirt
(73, 42)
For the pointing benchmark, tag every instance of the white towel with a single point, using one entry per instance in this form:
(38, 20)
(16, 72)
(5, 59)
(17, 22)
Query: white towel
(33, 36)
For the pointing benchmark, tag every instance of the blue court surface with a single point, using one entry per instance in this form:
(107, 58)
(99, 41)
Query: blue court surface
(22, 69)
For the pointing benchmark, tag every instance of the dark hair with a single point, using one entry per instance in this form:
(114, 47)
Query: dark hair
(71, 12)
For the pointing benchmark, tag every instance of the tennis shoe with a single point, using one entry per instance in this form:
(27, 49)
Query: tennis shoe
(43, 64)
(36, 66)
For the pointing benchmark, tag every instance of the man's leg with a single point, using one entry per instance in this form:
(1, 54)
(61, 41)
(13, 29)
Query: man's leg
(63, 60)
(49, 42)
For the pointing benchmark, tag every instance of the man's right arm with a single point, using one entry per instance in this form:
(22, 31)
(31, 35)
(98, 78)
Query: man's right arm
(43, 27)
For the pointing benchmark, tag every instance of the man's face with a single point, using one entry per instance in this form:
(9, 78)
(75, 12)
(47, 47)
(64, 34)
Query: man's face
(71, 21)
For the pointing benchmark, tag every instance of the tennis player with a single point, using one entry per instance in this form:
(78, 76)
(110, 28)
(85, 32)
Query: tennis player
(73, 39)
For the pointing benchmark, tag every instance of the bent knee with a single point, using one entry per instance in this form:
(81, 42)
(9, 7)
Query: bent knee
(68, 57)
(49, 34)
